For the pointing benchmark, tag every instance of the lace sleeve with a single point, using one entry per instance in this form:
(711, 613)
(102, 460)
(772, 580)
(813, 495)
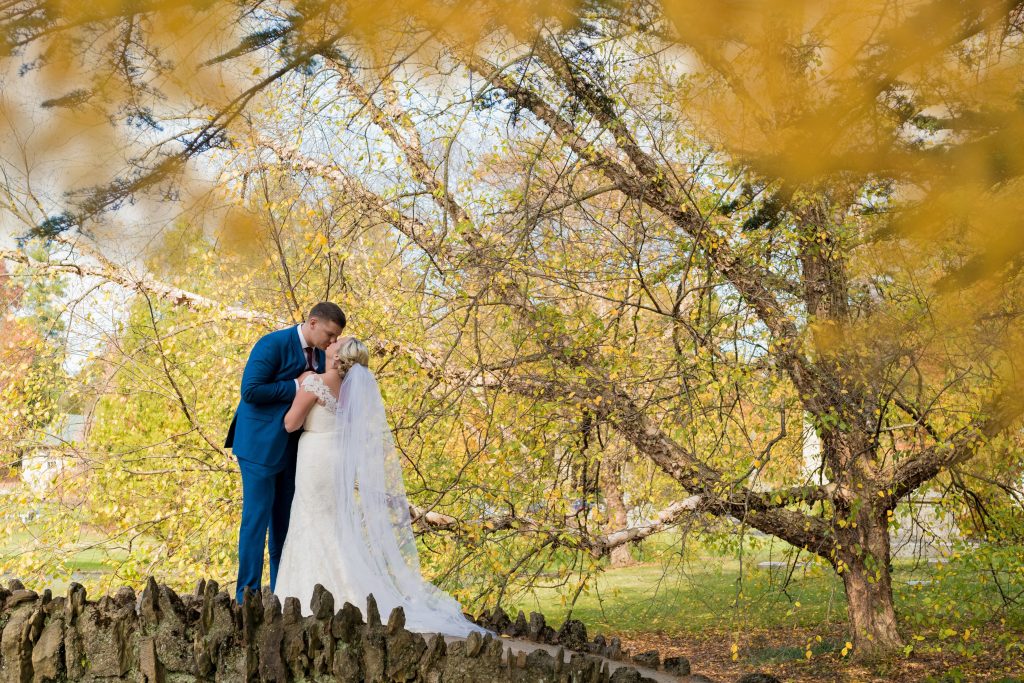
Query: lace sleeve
(314, 385)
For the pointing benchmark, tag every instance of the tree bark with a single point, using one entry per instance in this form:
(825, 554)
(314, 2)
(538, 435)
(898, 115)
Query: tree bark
(863, 557)
(621, 555)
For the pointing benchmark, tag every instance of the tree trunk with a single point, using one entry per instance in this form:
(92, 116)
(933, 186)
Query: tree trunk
(864, 554)
(621, 555)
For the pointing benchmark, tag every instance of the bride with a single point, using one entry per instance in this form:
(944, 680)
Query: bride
(350, 528)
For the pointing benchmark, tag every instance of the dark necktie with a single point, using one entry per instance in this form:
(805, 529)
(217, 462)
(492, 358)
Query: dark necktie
(309, 358)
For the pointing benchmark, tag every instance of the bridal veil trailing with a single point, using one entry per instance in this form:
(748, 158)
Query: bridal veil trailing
(370, 530)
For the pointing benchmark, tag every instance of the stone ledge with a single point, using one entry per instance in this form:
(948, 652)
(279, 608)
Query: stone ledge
(161, 637)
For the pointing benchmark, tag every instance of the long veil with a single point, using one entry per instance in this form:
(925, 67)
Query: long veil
(378, 547)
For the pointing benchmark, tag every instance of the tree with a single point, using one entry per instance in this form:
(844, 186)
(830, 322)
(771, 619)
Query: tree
(32, 379)
(693, 226)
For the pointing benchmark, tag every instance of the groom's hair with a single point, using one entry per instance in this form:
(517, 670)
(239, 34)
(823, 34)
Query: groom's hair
(325, 310)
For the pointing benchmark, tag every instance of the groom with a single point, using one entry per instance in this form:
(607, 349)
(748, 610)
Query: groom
(265, 451)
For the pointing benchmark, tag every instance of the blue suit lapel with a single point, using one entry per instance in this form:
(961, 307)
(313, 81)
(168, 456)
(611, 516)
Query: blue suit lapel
(297, 351)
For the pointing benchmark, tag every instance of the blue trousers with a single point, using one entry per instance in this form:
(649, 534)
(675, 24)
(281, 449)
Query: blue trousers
(266, 506)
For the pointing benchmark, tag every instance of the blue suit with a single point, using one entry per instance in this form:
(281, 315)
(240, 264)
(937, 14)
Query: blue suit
(266, 452)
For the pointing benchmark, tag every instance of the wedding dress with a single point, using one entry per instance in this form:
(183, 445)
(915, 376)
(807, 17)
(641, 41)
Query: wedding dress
(350, 528)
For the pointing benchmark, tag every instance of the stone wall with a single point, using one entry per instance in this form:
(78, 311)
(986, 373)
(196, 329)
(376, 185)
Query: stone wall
(205, 636)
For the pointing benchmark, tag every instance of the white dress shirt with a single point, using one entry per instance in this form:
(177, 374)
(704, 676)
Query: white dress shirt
(305, 345)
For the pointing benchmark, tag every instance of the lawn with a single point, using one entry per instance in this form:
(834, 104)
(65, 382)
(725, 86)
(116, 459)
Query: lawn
(88, 561)
(731, 617)
(711, 592)
(707, 593)
(955, 619)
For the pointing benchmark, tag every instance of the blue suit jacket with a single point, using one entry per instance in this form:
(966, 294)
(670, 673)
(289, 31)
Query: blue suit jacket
(257, 435)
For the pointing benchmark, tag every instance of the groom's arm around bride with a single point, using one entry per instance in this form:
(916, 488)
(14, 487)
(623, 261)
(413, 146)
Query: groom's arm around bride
(257, 437)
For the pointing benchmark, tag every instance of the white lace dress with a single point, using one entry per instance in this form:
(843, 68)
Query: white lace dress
(357, 542)
(312, 553)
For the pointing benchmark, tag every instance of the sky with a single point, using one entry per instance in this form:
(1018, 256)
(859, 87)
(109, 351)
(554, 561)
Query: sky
(54, 153)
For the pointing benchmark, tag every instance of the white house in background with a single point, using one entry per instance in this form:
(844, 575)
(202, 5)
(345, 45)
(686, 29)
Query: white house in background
(42, 463)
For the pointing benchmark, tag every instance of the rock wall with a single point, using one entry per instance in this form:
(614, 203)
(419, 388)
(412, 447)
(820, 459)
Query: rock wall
(162, 637)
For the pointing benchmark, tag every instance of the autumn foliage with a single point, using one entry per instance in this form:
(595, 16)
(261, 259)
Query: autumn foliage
(614, 258)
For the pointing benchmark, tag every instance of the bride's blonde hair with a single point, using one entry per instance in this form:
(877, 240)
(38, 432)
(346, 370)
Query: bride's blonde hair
(351, 352)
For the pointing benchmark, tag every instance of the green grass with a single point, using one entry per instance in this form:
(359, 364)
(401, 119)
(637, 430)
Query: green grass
(90, 560)
(788, 653)
(712, 593)
(705, 594)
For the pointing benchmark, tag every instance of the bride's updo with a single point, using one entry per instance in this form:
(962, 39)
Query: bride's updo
(351, 352)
